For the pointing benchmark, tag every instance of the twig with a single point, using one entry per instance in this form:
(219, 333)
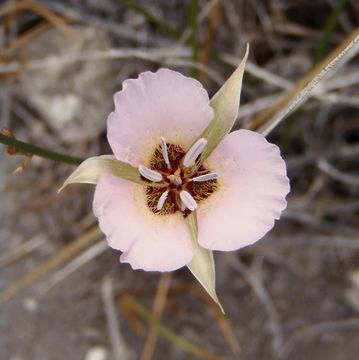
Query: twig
(206, 10)
(338, 175)
(218, 79)
(22, 250)
(265, 299)
(266, 23)
(344, 19)
(255, 106)
(55, 260)
(344, 207)
(179, 341)
(269, 119)
(262, 73)
(193, 41)
(222, 321)
(317, 330)
(5, 99)
(14, 6)
(211, 31)
(310, 220)
(321, 92)
(79, 261)
(329, 28)
(115, 28)
(265, 102)
(157, 311)
(151, 18)
(154, 54)
(120, 351)
(336, 241)
(348, 79)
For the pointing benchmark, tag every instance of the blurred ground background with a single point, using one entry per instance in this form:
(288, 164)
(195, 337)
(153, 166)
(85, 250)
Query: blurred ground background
(293, 295)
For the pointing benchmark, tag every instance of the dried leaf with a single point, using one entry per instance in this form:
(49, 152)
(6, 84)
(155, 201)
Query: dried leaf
(225, 104)
(92, 168)
(202, 264)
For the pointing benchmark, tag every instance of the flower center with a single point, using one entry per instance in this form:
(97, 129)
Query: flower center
(182, 183)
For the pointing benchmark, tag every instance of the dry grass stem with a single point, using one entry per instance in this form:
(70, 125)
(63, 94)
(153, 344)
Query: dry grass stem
(64, 254)
(119, 347)
(264, 297)
(170, 335)
(159, 304)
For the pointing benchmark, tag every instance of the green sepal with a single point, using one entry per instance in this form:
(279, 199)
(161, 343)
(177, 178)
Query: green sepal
(225, 104)
(202, 265)
(93, 168)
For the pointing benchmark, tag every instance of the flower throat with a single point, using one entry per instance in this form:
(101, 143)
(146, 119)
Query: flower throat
(182, 183)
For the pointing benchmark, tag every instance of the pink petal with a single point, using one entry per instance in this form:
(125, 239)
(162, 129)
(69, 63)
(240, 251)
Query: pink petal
(164, 103)
(251, 195)
(149, 241)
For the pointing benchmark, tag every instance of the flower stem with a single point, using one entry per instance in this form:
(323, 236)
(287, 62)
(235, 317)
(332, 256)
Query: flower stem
(39, 151)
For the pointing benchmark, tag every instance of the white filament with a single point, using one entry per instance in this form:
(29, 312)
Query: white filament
(162, 200)
(165, 151)
(205, 177)
(193, 153)
(149, 174)
(188, 201)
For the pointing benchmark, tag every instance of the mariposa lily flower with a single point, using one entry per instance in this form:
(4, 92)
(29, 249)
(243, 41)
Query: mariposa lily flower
(174, 162)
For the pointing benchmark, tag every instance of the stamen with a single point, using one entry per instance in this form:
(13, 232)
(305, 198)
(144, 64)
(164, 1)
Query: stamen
(165, 151)
(149, 174)
(205, 177)
(162, 200)
(193, 153)
(187, 200)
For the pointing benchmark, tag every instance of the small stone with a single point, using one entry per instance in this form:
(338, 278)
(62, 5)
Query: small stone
(352, 292)
(75, 98)
(97, 353)
(30, 304)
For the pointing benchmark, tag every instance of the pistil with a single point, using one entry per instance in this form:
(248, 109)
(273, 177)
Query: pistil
(175, 178)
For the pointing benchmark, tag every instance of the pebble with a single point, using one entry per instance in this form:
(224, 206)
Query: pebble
(97, 353)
